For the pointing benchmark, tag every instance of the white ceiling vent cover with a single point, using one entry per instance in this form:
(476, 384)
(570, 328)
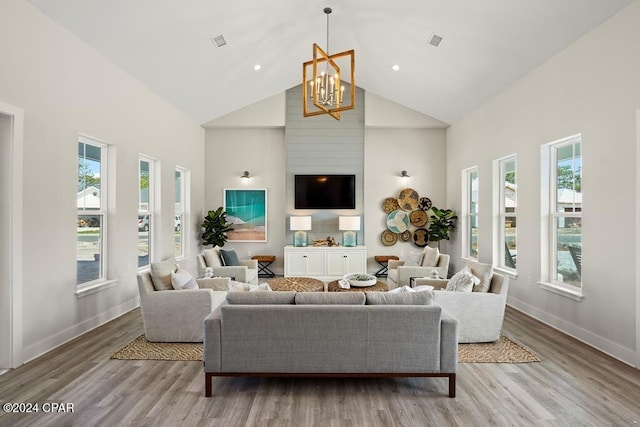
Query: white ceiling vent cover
(219, 41)
(434, 40)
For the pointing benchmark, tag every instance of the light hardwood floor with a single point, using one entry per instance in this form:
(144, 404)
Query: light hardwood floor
(574, 385)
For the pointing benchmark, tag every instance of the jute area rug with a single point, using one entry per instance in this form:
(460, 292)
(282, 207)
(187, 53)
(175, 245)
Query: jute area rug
(502, 351)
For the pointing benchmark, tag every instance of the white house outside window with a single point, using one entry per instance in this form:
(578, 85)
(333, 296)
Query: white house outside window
(92, 211)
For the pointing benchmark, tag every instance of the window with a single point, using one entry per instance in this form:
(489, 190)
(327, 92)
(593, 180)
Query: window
(180, 211)
(145, 210)
(507, 204)
(92, 211)
(470, 209)
(562, 222)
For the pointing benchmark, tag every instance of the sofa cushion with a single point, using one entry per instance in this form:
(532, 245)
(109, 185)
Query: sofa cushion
(161, 274)
(484, 272)
(334, 298)
(181, 279)
(284, 297)
(212, 257)
(463, 281)
(401, 298)
(431, 256)
(230, 257)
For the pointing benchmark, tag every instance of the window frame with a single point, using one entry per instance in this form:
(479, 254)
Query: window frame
(501, 214)
(549, 231)
(181, 209)
(151, 206)
(102, 212)
(467, 194)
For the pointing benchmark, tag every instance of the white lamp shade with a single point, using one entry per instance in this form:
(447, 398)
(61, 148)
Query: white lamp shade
(349, 223)
(298, 223)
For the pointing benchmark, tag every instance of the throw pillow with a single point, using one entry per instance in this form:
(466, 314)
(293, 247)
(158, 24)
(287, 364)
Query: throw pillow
(462, 281)
(181, 279)
(401, 298)
(212, 257)
(161, 274)
(431, 256)
(230, 257)
(262, 287)
(484, 272)
(246, 287)
(414, 259)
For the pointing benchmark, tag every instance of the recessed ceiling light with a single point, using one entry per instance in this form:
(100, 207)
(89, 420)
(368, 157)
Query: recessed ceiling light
(435, 40)
(396, 67)
(219, 41)
(257, 67)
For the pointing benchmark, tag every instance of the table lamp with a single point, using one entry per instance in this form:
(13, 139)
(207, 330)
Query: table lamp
(300, 224)
(349, 225)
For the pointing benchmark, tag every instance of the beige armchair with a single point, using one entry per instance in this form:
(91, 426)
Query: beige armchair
(170, 315)
(399, 274)
(246, 272)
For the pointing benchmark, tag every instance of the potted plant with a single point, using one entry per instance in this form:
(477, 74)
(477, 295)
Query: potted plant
(441, 223)
(214, 227)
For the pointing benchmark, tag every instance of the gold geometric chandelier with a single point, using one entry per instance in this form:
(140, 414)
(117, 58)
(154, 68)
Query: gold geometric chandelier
(326, 88)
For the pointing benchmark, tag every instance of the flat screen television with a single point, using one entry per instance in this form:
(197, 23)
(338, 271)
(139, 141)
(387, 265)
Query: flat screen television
(325, 192)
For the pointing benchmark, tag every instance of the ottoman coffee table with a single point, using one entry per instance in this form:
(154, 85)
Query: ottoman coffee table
(378, 287)
(300, 284)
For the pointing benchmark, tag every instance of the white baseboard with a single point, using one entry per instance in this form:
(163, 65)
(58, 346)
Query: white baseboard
(45, 345)
(604, 345)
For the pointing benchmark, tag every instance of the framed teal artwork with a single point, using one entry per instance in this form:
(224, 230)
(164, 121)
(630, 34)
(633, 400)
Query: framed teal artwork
(247, 210)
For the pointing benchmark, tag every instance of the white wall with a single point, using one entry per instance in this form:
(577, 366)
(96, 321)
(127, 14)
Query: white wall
(66, 88)
(591, 88)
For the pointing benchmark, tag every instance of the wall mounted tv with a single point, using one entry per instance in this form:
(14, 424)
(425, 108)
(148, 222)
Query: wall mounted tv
(325, 192)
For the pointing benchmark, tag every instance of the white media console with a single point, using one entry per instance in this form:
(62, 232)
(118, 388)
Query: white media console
(324, 263)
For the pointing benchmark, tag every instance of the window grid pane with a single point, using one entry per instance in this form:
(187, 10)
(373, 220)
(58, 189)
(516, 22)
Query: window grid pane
(145, 210)
(179, 213)
(508, 207)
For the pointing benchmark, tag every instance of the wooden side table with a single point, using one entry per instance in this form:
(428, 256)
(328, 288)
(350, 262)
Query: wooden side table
(264, 261)
(383, 260)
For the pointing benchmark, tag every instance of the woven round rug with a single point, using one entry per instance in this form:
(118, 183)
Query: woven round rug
(141, 349)
(502, 351)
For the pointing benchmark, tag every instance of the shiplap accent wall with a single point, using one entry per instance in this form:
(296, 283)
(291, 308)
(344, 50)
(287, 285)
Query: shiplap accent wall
(323, 145)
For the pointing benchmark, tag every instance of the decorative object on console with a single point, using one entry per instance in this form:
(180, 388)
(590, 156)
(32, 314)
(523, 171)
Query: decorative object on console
(325, 88)
(300, 224)
(349, 225)
(328, 241)
(361, 280)
(215, 227)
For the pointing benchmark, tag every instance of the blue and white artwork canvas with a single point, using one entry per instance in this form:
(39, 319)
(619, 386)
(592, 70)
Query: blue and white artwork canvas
(247, 211)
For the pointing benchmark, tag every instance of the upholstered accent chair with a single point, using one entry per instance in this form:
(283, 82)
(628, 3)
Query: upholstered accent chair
(170, 315)
(245, 272)
(400, 274)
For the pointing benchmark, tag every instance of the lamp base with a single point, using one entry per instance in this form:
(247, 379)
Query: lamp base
(349, 238)
(300, 239)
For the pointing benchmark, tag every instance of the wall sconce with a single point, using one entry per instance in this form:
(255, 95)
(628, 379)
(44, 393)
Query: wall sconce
(349, 224)
(404, 174)
(300, 224)
(245, 175)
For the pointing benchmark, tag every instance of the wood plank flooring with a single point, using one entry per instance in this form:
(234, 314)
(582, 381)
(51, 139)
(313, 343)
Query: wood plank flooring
(574, 385)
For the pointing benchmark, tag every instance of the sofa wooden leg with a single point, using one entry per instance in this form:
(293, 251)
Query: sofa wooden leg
(207, 384)
(452, 385)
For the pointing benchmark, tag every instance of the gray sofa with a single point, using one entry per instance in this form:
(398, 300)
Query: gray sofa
(310, 334)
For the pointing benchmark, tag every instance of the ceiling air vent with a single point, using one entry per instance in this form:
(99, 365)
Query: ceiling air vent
(435, 40)
(219, 41)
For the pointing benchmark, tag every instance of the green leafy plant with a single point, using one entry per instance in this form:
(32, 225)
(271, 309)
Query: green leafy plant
(441, 223)
(214, 227)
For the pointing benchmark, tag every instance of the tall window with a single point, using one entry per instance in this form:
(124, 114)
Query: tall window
(470, 207)
(180, 211)
(507, 204)
(565, 203)
(145, 210)
(92, 211)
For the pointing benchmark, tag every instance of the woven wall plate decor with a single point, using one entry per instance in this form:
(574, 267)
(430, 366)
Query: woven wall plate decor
(405, 236)
(390, 204)
(408, 199)
(418, 217)
(388, 238)
(398, 221)
(425, 203)
(421, 237)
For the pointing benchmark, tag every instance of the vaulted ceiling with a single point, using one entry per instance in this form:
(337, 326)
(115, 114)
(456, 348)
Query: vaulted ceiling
(488, 44)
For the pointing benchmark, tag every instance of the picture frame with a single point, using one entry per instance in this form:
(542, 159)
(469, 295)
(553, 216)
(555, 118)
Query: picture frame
(246, 209)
